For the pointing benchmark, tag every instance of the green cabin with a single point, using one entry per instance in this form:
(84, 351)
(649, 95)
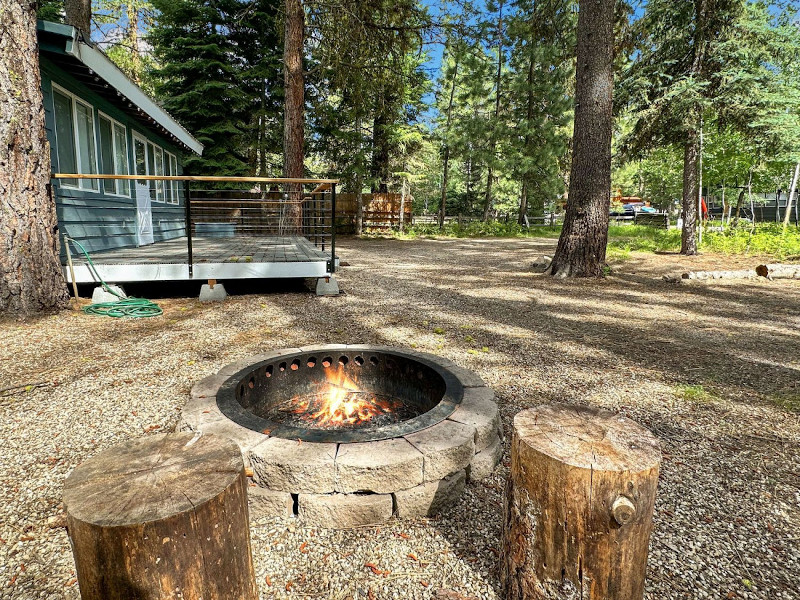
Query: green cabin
(99, 121)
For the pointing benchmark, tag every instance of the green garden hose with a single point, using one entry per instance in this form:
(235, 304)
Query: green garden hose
(130, 308)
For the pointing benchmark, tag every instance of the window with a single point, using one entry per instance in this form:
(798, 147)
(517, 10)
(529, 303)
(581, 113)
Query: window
(153, 160)
(75, 138)
(171, 169)
(113, 155)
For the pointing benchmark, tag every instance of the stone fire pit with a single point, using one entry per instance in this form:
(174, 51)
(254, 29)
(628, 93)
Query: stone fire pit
(351, 435)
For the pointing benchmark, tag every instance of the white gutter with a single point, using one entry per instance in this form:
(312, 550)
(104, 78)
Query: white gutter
(98, 62)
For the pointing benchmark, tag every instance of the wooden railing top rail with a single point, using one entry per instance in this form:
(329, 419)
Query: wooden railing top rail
(195, 178)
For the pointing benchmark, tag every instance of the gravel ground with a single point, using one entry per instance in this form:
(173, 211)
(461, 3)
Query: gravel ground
(727, 520)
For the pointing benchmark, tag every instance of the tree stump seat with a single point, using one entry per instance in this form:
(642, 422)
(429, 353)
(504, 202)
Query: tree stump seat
(164, 516)
(579, 505)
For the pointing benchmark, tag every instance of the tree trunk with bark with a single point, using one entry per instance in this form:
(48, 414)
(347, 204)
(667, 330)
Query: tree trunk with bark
(78, 13)
(294, 105)
(690, 192)
(446, 156)
(380, 145)
(487, 202)
(31, 280)
(523, 204)
(579, 505)
(581, 250)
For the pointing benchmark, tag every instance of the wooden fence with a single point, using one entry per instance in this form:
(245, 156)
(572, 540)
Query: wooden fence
(381, 211)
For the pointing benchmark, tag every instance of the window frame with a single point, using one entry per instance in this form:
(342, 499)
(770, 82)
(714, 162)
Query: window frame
(83, 184)
(118, 183)
(173, 196)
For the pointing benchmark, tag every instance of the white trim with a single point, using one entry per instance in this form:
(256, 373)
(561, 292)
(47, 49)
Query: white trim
(102, 65)
(113, 121)
(202, 271)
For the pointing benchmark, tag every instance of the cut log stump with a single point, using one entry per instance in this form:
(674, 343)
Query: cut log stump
(159, 517)
(579, 505)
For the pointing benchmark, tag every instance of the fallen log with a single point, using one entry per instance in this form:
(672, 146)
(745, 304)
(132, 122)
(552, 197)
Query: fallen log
(778, 271)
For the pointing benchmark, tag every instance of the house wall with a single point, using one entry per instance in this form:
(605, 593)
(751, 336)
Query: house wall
(97, 220)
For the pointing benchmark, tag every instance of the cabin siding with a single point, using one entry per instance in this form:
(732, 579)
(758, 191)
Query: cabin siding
(100, 221)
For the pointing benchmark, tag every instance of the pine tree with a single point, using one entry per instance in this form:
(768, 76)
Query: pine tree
(541, 39)
(199, 82)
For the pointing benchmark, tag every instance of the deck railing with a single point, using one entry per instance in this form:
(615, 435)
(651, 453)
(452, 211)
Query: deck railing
(114, 211)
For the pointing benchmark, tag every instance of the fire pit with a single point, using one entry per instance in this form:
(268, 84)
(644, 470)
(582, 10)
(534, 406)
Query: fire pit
(351, 435)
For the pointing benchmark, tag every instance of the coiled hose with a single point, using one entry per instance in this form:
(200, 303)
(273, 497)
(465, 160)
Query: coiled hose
(124, 308)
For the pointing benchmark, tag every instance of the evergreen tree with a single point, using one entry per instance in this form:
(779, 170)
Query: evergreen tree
(542, 45)
(199, 81)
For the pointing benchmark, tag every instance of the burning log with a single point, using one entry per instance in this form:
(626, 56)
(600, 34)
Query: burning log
(162, 515)
(579, 505)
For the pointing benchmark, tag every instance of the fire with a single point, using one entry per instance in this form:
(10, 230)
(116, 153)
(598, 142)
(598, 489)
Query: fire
(342, 403)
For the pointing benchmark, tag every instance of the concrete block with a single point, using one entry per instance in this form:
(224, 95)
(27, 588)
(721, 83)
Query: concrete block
(215, 294)
(381, 467)
(429, 498)
(294, 466)
(268, 503)
(478, 409)
(447, 447)
(466, 377)
(208, 386)
(327, 286)
(340, 511)
(100, 295)
(484, 462)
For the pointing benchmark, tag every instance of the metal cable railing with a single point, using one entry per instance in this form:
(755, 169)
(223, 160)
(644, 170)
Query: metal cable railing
(168, 208)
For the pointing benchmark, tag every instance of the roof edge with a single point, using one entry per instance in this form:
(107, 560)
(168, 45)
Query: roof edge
(103, 67)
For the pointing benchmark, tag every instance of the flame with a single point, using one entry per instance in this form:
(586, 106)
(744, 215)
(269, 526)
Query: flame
(342, 403)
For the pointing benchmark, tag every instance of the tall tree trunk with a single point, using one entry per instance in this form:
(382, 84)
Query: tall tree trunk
(359, 183)
(402, 205)
(736, 211)
(523, 203)
(31, 280)
(445, 172)
(133, 41)
(689, 204)
(446, 157)
(581, 250)
(294, 104)
(487, 203)
(792, 189)
(78, 13)
(380, 145)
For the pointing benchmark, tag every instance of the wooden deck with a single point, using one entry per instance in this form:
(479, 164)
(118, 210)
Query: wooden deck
(245, 257)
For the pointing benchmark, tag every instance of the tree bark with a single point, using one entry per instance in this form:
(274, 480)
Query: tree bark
(402, 205)
(487, 203)
(78, 13)
(359, 184)
(581, 250)
(380, 145)
(737, 211)
(690, 191)
(294, 104)
(579, 505)
(792, 189)
(446, 157)
(31, 280)
(162, 516)
(523, 203)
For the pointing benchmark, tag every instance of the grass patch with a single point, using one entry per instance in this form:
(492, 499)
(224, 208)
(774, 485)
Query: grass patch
(762, 239)
(694, 393)
(790, 402)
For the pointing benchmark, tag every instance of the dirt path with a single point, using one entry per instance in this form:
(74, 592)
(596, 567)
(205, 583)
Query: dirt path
(713, 369)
